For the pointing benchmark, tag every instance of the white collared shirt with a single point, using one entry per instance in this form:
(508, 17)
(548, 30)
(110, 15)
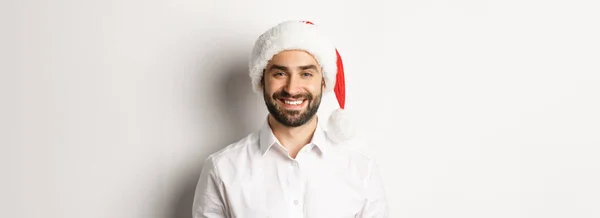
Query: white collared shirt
(255, 177)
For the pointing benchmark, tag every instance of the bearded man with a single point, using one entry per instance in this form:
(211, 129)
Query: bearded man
(291, 166)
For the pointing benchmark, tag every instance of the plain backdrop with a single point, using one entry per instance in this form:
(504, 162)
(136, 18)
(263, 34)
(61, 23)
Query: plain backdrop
(473, 108)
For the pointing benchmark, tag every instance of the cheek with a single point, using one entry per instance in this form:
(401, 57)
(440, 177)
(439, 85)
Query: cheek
(271, 87)
(267, 84)
(316, 87)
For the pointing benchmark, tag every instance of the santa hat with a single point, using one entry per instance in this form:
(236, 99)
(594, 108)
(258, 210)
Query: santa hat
(304, 35)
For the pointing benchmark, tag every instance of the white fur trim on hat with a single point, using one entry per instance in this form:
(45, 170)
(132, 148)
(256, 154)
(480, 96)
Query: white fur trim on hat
(293, 35)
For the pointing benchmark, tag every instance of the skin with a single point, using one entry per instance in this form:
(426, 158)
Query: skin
(293, 75)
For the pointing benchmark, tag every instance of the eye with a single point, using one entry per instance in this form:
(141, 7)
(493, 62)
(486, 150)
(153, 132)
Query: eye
(279, 73)
(306, 74)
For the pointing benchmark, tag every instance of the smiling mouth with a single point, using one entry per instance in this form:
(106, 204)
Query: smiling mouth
(292, 102)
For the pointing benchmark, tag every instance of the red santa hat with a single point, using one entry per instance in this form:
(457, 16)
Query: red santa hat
(304, 35)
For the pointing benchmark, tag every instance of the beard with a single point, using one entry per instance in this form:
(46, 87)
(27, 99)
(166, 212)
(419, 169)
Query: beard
(292, 118)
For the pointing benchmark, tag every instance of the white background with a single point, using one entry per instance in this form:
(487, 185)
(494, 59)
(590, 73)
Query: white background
(472, 108)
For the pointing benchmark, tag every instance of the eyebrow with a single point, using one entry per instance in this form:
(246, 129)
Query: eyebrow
(308, 67)
(284, 68)
(277, 67)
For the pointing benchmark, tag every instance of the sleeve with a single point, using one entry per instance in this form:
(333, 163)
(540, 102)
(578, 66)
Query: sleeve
(209, 201)
(376, 205)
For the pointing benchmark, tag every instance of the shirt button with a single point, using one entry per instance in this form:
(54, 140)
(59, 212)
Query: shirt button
(296, 202)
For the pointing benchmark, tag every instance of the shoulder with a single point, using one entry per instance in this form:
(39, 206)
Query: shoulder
(355, 148)
(356, 154)
(224, 157)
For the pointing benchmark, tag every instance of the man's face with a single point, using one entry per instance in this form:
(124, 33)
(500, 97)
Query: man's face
(292, 87)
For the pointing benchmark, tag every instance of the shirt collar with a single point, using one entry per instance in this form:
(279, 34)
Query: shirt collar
(268, 139)
(319, 139)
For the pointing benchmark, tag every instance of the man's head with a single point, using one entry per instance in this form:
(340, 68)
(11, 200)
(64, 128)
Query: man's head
(292, 85)
(292, 64)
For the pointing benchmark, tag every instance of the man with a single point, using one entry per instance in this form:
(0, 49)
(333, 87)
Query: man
(291, 167)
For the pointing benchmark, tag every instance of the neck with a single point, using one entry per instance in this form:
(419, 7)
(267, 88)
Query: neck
(293, 138)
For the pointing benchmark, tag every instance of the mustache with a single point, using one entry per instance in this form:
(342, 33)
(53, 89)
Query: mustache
(285, 94)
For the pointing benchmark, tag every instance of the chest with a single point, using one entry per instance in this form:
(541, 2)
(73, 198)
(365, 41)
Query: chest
(295, 189)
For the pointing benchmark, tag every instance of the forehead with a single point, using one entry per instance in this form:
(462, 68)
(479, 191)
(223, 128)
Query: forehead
(293, 58)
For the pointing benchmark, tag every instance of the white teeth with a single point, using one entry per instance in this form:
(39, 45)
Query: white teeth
(293, 102)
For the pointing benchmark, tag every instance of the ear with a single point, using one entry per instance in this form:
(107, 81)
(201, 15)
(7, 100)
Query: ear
(262, 80)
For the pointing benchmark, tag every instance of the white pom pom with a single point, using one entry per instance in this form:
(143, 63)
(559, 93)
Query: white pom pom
(340, 127)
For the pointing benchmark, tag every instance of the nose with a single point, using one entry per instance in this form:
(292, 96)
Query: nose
(294, 85)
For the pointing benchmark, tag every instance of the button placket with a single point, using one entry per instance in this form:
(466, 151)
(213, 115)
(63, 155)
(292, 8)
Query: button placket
(296, 189)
